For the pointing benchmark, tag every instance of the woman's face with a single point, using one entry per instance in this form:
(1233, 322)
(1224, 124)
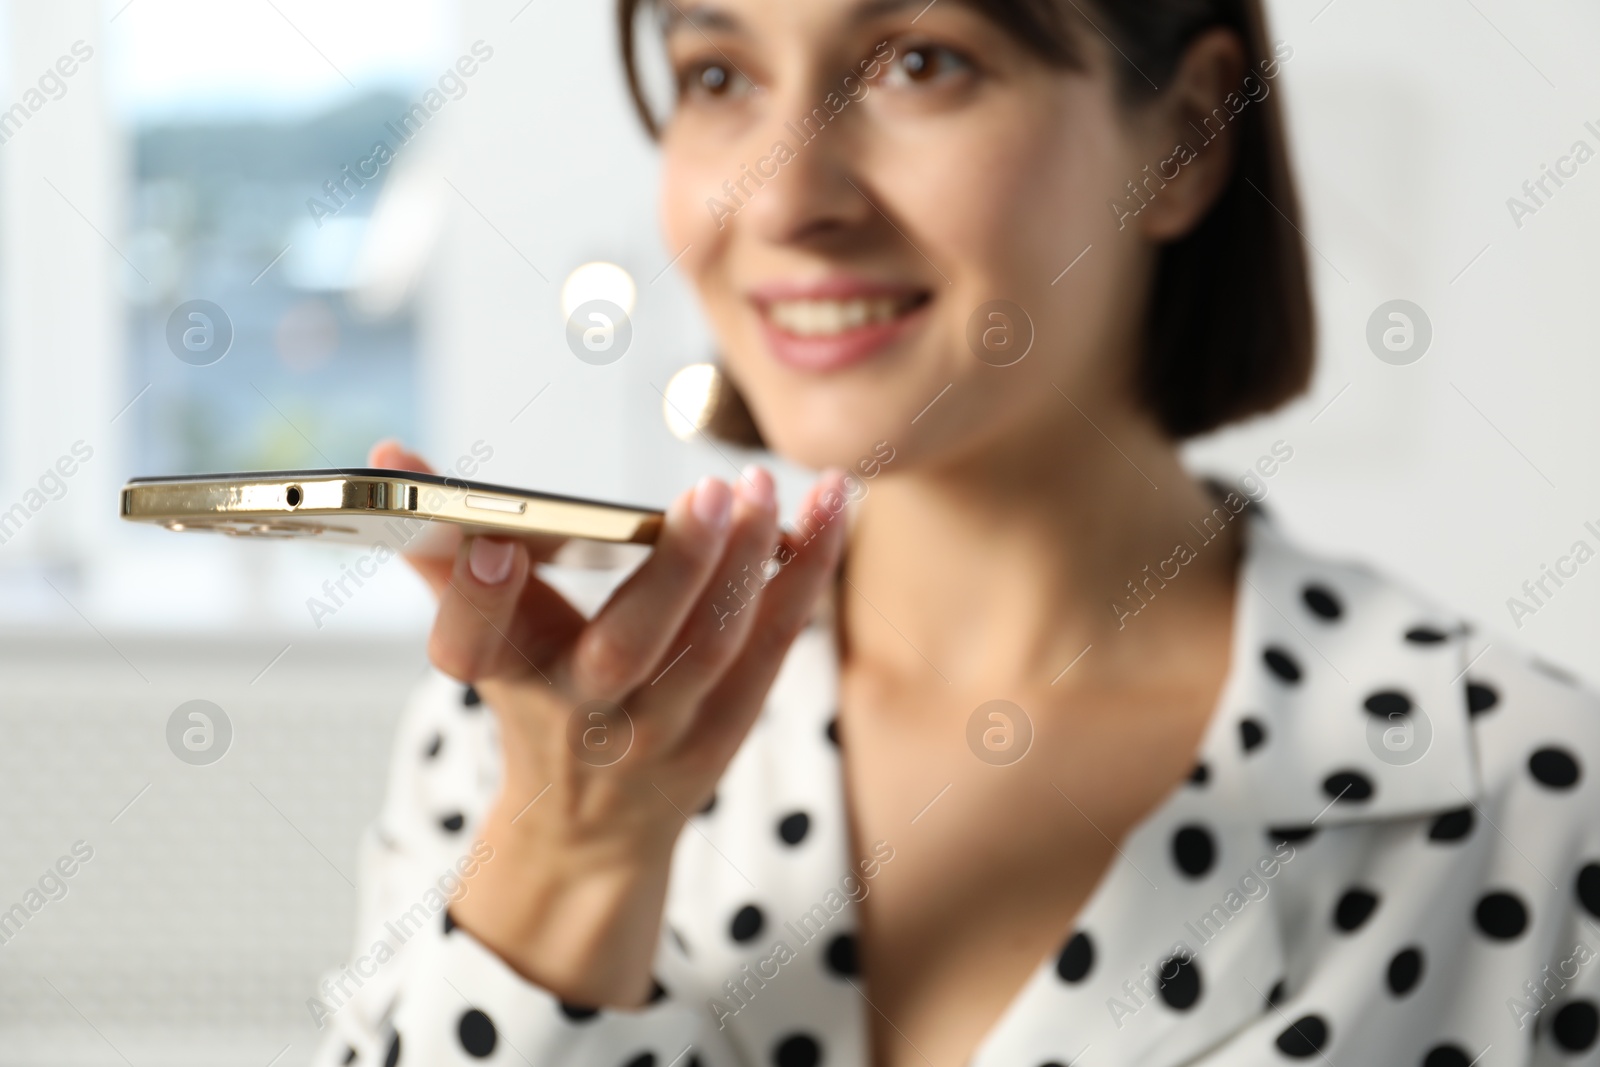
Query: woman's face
(856, 181)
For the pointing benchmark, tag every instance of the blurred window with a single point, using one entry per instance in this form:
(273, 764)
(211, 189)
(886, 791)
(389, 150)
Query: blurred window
(246, 130)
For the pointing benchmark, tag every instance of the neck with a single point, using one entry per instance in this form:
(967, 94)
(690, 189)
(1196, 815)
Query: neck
(1000, 570)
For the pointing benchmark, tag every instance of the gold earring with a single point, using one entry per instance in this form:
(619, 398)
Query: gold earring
(702, 399)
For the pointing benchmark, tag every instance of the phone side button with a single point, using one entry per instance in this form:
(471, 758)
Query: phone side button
(495, 503)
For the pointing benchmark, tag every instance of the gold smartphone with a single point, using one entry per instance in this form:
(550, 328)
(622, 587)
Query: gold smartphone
(422, 514)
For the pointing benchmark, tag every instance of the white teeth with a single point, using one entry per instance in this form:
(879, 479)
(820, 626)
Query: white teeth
(820, 318)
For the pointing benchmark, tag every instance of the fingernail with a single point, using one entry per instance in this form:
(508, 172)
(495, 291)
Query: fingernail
(490, 561)
(713, 503)
(756, 488)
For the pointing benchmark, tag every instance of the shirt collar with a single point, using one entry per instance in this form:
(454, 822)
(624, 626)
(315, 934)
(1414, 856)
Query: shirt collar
(1345, 699)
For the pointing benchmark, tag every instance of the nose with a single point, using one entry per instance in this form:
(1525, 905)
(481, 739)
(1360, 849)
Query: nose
(812, 188)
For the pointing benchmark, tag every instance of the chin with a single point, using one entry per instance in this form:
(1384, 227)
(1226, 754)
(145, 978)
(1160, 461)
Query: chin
(824, 429)
(817, 447)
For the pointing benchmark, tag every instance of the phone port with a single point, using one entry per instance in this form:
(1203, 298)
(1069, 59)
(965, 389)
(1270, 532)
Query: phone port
(293, 496)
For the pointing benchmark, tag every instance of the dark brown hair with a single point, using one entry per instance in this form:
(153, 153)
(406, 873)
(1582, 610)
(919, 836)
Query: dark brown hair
(1230, 326)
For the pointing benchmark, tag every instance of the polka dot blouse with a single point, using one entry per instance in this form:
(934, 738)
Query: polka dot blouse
(1388, 853)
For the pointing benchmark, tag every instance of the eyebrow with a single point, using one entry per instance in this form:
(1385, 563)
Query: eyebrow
(709, 17)
(698, 16)
(873, 9)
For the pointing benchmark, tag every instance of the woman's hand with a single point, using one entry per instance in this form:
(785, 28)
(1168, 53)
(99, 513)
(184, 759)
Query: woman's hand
(615, 729)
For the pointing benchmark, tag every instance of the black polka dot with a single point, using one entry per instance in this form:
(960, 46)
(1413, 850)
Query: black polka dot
(1446, 1056)
(797, 1050)
(1281, 664)
(1501, 915)
(1452, 825)
(1200, 775)
(1405, 971)
(833, 730)
(1589, 888)
(349, 1055)
(1354, 909)
(432, 751)
(470, 697)
(1347, 786)
(1425, 635)
(1388, 702)
(1481, 697)
(658, 992)
(453, 822)
(1291, 833)
(1178, 979)
(1076, 959)
(1322, 601)
(1251, 733)
(643, 1059)
(578, 1013)
(1576, 1025)
(709, 806)
(1194, 850)
(1554, 767)
(747, 923)
(1304, 1037)
(842, 959)
(392, 1057)
(1275, 995)
(449, 921)
(793, 828)
(477, 1033)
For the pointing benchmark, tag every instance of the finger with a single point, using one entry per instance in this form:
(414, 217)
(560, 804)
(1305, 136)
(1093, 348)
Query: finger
(436, 564)
(471, 634)
(715, 631)
(544, 624)
(390, 454)
(630, 633)
(433, 568)
(809, 558)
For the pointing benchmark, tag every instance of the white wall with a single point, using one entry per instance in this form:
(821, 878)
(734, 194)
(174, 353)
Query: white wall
(1413, 123)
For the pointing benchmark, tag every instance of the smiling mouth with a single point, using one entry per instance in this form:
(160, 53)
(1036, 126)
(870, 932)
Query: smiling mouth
(836, 317)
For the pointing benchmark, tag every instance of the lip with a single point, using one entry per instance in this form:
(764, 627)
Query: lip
(837, 351)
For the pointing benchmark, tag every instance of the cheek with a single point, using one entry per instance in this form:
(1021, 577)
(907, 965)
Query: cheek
(1019, 224)
(685, 184)
(691, 183)
(1027, 224)
(1008, 216)
(1007, 231)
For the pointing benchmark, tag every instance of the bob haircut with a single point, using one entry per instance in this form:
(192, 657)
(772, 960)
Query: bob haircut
(1229, 330)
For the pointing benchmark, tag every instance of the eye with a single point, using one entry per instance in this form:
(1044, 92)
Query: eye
(925, 64)
(711, 79)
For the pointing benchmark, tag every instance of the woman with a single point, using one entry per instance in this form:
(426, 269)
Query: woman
(1083, 762)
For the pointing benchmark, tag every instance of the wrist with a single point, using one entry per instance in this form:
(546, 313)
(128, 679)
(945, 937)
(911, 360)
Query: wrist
(581, 921)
